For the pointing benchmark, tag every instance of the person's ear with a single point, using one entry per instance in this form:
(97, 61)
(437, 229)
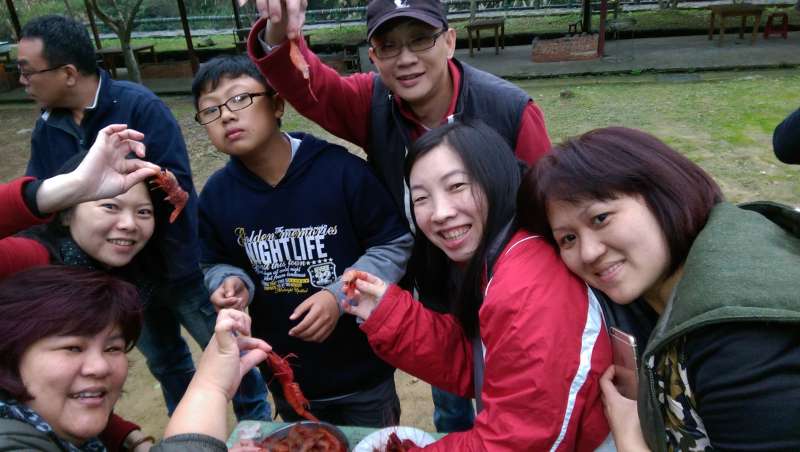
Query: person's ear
(450, 42)
(373, 58)
(72, 74)
(279, 105)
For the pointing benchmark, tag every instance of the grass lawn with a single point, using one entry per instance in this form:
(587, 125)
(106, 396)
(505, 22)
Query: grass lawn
(724, 125)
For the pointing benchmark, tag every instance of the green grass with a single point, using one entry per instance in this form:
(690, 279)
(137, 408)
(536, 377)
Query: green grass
(724, 125)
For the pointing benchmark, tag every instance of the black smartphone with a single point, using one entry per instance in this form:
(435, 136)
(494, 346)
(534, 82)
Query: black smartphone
(626, 375)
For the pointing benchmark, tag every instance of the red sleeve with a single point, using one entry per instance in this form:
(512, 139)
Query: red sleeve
(18, 253)
(545, 349)
(115, 433)
(532, 139)
(424, 343)
(14, 213)
(342, 104)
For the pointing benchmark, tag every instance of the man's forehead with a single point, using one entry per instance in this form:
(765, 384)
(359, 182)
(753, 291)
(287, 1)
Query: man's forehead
(400, 24)
(29, 50)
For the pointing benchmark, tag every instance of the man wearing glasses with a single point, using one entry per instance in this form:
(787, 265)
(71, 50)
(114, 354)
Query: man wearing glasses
(419, 86)
(59, 71)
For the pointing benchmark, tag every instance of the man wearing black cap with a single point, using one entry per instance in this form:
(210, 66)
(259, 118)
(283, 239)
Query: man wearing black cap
(419, 86)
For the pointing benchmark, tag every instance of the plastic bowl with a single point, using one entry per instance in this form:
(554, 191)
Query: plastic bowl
(283, 432)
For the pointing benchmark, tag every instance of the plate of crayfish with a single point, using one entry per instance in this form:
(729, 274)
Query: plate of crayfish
(300, 436)
(394, 439)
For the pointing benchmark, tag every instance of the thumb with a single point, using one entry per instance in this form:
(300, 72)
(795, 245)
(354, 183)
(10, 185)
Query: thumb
(229, 286)
(607, 380)
(301, 309)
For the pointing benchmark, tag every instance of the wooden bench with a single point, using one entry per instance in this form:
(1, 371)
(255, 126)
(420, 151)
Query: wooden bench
(497, 24)
(743, 10)
(109, 54)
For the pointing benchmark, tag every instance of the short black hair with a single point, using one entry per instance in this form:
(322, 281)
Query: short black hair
(65, 41)
(224, 66)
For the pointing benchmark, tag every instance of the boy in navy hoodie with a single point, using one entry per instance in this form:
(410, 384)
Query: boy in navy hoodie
(279, 224)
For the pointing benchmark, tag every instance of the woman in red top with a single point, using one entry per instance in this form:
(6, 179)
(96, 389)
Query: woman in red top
(525, 337)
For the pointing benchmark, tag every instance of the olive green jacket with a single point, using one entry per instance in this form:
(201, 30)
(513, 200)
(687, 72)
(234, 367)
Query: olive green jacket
(743, 266)
(19, 436)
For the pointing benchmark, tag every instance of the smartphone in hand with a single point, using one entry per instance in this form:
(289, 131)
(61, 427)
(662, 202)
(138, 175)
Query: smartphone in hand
(626, 363)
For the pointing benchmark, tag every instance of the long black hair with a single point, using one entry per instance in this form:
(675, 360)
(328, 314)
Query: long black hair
(491, 165)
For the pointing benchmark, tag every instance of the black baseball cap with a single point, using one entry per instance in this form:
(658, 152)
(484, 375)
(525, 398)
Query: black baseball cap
(381, 11)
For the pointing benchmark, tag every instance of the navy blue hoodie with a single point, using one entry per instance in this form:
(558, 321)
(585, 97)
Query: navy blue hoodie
(294, 239)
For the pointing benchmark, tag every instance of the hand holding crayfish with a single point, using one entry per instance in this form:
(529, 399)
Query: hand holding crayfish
(286, 18)
(104, 172)
(363, 293)
(231, 353)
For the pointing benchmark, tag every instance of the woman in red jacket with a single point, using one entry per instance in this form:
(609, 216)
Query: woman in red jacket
(525, 336)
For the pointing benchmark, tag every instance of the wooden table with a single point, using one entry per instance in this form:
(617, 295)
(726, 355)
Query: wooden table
(498, 24)
(109, 53)
(262, 429)
(743, 10)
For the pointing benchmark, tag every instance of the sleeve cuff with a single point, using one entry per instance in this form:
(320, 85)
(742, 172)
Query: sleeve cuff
(29, 189)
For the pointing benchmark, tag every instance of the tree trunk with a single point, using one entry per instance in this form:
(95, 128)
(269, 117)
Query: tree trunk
(472, 7)
(123, 27)
(134, 74)
(70, 12)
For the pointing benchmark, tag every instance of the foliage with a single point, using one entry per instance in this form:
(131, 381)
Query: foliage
(705, 119)
(119, 15)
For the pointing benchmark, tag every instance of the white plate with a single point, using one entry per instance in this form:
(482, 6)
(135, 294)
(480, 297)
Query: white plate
(377, 440)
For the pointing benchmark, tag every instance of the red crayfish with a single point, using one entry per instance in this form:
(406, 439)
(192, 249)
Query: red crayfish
(301, 438)
(291, 390)
(301, 64)
(176, 195)
(395, 444)
(349, 286)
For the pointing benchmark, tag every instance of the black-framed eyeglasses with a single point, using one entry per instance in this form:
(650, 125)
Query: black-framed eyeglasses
(28, 74)
(386, 50)
(235, 103)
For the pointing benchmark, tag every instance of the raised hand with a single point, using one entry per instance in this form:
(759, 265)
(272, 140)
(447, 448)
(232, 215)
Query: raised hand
(105, 169)
(231, 294)
(103, 173)
(231, 353)
(363, 291)
(286, 18)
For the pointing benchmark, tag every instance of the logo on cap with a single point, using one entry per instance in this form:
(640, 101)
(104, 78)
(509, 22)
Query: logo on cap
(401, 3)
